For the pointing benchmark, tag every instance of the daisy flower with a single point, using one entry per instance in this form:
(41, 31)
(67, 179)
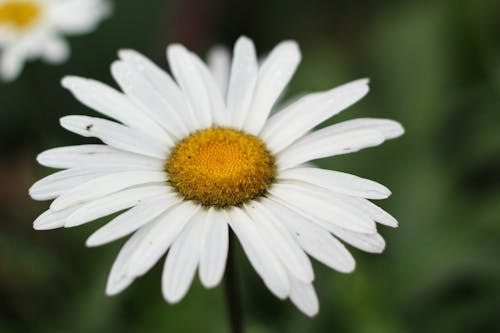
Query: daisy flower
(32, 29)
(186, 160)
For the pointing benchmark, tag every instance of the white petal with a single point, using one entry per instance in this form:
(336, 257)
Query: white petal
(320, 144)
(260, 254)
(304, 297)
(342, 138)
(78, 16)
(182, 260)
(56, 50)
(281, 242)
(162, 82)
(118, 280)
(316, 241)
(218, 61)
(372, 243)
(97, 157)
(11, 63)
(324, 209)
(151, 102)
(214, 248)
(52, 220)
(105, 185)
(242, 82)
(339, 182)
(132, 219)
(375, 212)
(390, 129)
(191, 81)
(217, 103)
(60, 182)
(115, 135)
(163, 233)
(113, 203)
(298, 118)
(62, 157)
(274, 74)
(106, 100)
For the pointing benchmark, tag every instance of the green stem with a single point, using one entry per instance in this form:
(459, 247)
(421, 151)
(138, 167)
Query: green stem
(231, 285)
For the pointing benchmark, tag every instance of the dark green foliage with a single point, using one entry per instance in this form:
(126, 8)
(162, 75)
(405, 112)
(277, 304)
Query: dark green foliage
(435, 67)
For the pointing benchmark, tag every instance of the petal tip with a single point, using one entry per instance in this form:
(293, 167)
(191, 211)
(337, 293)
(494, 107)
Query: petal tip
(399, 129)
(125, 53)
(92, 241)
(68, 81)
(312, 312)
(172, 297)
(175, 48)
(243, 40)
(38, 226)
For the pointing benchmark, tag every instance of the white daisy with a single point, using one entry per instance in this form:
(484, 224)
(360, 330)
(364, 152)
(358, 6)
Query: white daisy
(32, 29)
(189, 159)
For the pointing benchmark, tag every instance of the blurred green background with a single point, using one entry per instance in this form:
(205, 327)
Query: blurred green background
(434, 66)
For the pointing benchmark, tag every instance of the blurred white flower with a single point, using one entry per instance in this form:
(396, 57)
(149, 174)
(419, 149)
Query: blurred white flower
(192, 157)
(31, 29)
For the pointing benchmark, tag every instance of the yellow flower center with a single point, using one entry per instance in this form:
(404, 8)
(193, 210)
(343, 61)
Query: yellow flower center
(19, 14)
(220, 167)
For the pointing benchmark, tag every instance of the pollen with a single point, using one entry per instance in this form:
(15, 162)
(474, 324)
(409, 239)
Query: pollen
(19, 14)
(221, 167)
